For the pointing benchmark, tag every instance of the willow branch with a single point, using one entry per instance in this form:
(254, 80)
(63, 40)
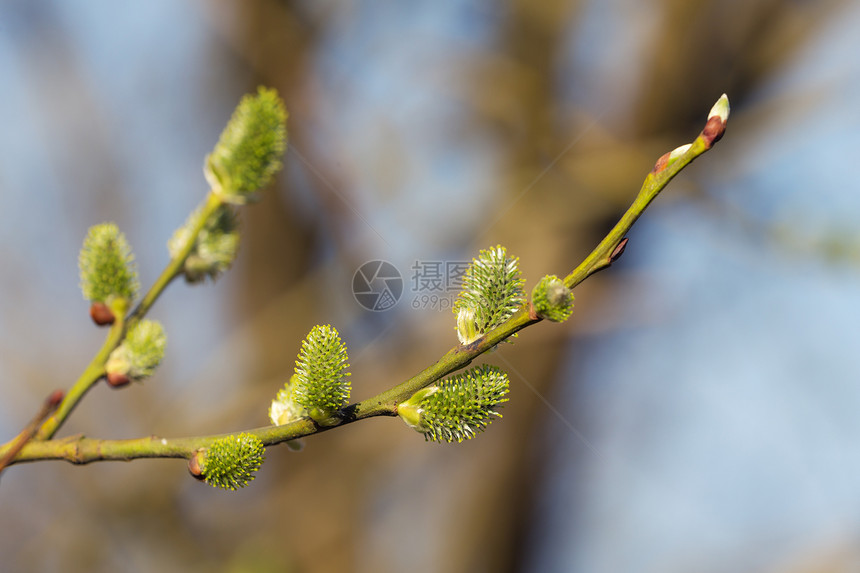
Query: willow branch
(174, 267)
(95, 371)
(17, 444)
(80, 450)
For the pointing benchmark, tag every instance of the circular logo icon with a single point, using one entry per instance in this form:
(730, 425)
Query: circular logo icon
(377, 285)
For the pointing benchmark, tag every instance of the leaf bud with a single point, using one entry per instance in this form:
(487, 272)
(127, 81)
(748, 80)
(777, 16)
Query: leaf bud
(552, 300)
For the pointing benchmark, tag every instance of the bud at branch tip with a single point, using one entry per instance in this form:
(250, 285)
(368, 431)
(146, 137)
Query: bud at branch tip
(249, 152)
(721, 109)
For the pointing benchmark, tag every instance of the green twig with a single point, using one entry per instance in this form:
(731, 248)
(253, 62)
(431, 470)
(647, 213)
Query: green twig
(84, 450)
(50, 404)
(96, 368)
(174, 267)
(91, 374)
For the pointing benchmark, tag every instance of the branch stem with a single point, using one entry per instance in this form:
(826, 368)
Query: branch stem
(91, 374)
(95, 371)
(655, 181)
(81, 450)
(174, 267)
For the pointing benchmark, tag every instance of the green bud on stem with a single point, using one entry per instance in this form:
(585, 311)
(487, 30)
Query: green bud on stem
(229, 463)
(492, 292)
(139, 354)
(458, 408)
(552, 300)
(321, 384)
(215, 248)
(108, 273)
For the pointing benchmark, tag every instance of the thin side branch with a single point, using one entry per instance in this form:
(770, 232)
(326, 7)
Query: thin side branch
(95, 371)
(50, 404)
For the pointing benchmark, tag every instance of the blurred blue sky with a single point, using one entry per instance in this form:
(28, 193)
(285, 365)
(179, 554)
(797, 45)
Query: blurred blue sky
(720, 417)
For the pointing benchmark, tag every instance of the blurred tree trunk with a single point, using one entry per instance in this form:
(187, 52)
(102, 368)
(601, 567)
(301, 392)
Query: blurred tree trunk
(275, 43)
(560, 189)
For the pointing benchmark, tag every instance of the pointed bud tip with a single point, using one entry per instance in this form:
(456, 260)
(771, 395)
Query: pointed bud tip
(716, 125)
(679, 151)
(714, 129)
(721, 109)
(618, 251)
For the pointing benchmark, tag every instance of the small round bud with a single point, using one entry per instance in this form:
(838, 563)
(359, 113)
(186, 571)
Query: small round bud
(552, 300)
(101, 314)
(117, 379)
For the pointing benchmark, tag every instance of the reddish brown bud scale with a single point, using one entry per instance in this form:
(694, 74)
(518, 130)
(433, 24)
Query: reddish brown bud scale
(101, 314)
(533, 315)
(714, 130)
(117, 380)
(661, 163)
(618, 251)
(55, 398)
(194, 466)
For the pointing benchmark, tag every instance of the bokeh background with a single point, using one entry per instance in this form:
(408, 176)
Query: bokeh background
(697, 413)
